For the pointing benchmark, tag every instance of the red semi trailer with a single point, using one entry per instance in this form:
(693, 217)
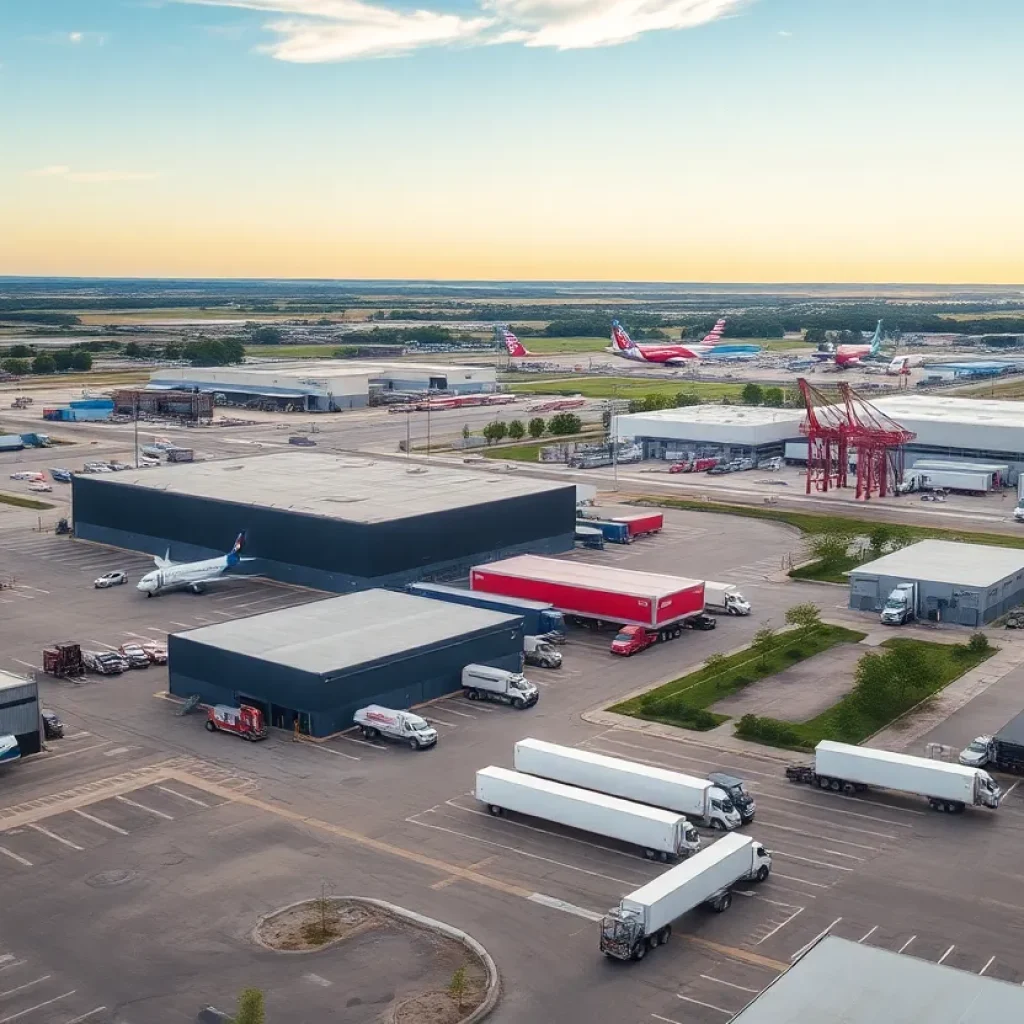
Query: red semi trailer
(641, 523)
(596, 595)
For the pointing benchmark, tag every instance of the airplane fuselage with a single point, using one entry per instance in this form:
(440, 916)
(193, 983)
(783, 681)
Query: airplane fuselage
(181, 577)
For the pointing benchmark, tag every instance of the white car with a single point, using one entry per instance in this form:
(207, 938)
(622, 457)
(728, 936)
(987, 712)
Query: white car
(110, 579)
(1018, 513)
(376, 721)
(39, 485)
(157, 653)
(26, 475)
(977, 753)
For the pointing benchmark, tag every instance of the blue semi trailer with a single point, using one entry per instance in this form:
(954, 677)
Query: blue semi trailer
(539, 619)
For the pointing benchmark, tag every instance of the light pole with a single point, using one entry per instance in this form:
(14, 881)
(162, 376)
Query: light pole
(135, 408)
(428, 428)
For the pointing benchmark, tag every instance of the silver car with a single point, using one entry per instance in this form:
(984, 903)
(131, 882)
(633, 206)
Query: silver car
(110, 579)
(977, 753)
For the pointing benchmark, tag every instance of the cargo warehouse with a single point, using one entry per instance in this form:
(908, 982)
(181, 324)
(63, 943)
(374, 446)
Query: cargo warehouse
(966, 584)
(964, 429)
(316, 664)
(325, 521)
(20, 712)
(320, 385)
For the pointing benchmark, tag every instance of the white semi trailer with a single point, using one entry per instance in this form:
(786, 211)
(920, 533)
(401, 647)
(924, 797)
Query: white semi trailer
(660, 834)
(698, 799)
(643, 919)
(725, 598)
(948, 787)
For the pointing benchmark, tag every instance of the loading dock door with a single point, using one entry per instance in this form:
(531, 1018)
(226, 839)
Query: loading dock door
(439, 383)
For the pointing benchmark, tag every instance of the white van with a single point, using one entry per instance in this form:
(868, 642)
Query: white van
(481, 682)
(403, 726)
(538, 651)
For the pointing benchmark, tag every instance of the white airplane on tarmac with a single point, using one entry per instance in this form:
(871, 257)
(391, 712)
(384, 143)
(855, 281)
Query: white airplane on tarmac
(192, 576)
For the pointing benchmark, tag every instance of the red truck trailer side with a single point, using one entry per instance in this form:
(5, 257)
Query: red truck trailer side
(594, 592)
(641, 523)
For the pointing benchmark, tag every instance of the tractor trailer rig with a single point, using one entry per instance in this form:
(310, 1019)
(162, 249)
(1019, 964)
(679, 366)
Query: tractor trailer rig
(644, 918)
(596, 596)
(947, 787)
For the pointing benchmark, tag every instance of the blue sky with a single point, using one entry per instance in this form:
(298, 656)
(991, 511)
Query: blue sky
(662, 139)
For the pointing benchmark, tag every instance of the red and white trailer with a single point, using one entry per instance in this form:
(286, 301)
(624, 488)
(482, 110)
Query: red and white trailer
(642, 523)
(595, 594)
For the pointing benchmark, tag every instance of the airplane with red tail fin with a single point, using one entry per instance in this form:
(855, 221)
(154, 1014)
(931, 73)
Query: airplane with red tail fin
(679, 353)
(516, 349)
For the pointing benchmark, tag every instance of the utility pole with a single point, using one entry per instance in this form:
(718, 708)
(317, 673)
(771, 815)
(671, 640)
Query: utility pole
(135, 406)
(611, 435)
(428, 428)
(408, 439)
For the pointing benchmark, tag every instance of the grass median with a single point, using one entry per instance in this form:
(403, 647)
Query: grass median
(17, 499)
(684, 701)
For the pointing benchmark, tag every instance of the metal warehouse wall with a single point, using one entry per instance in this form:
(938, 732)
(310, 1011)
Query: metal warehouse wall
(19, 715)
(319, 552)
(943, 602)
(326, 703)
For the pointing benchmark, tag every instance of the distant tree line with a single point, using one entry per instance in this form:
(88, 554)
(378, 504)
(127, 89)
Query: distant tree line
(21, 361)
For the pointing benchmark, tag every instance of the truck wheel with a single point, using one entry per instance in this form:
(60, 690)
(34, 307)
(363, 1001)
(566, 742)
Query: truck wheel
(650, 854)
(518, 703)
(414, 744)
(676, 633)
(210, 726)
(762, 872)
(958, 808)
(640, 950)
(823, 783)
(666, 934)
(724, 903)
(716, 825)
(935, 805)
(835, 785)
(494, 809)
(662, 855)
(470, 694)
(849, 788)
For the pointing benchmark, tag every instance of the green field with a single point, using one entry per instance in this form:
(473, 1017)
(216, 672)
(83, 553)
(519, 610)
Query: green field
(529, 451)
(291, 351)
(628, 387)
(17, 499)
(564, 346)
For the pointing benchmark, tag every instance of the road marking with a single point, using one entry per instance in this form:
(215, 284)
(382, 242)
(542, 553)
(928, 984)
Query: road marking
(330, 750)
(27, 664)
(944, 955)
(452, 711)
(69, 753)
(568, 908)
(872, 932)
(141, 807)
(184, 625)
(803, 949)
(814, 835)
(808, 860)
(433, 720)
(28, 984)
(667, 1020)
(76, 735)
(100, 821)
(802, 881)
(710, 1006)
(15, 963)
(779, 927)
(14, 856)
(182, 796)
(114, 751)
(85, 1016)
(53, 835)
(1011, 789)
(832, 810)
(317, 980)
(100, 643)
(729, 984)
(987, 966)
(38, 1006)
(838, 853)
(6, 958)
(907, 943)
(364, 743)
(25, 586)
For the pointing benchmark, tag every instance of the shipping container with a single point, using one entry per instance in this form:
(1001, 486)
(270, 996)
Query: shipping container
(594, 592)
(615, 533)
(538, 618)
(11, 443)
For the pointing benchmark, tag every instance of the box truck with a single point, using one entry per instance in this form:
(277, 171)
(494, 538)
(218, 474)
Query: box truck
(948, 787)
(901, 605)
(725, 598)
(596, 595)
(539, 618)
(699, 799)
(644, 918)
(614, 533)
(660, 834)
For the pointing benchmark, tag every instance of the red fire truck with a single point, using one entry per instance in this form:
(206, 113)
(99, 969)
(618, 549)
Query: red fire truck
(245, 721)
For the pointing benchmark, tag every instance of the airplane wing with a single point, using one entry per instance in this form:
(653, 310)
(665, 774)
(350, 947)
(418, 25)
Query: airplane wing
(678, 361)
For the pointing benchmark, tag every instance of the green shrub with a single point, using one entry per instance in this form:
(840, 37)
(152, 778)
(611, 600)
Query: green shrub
(768, 730)
(978, 643)
(795, 653)
(694, 718)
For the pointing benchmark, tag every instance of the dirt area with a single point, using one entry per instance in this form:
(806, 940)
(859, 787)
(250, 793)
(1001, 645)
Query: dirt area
(425, 992)
(801, 692)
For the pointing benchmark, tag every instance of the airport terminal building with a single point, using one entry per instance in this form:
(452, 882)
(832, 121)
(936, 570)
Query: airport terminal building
(964, 429)
(325, 521)
(321, 385)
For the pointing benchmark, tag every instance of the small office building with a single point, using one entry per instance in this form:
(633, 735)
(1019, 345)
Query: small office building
(966, 584)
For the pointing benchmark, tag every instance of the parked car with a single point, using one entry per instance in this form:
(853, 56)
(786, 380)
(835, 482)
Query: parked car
(106, 663)
(701, 622)
(53, 727)
(62, 476)
(25, 474)
(110, 579)
(157, 653)
(118, 466)
(40, 485)
(135, 655)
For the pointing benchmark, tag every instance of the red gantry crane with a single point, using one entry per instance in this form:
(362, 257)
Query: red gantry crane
(834, 430)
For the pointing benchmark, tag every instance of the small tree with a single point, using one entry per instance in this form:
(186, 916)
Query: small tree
(978, 643)
(774, 397)
(250, 1008)
(516, 430)
(536, 427)
(763, 643)
(805, 617)
(714, 663)
(465, 431)
(752, 394)
(830, 548)
(879, 537)
(44, 363)
(494, 431)
(686, 398)
(458, 987)
(565, 423)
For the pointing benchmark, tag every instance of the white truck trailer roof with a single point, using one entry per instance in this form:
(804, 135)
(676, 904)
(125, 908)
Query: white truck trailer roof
(889, 757)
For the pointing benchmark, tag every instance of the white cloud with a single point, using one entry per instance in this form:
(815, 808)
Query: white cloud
(91, 177)
(784, 33)
(318, 31)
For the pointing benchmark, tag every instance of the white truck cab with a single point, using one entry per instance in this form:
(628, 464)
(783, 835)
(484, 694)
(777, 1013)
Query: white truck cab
(403, 726)
(1018, 512)
(483, 682)
(538, 651)
(725, 597)
(977, 753)
(901, 606)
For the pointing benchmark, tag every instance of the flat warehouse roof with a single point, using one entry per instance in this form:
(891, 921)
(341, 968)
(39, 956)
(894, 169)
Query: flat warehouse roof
(944, 561)
(950, 410)
(342, 633)
(335, 487)
(584, 574)
(843, 982)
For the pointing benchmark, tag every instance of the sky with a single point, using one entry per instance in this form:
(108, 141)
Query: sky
(625, 140)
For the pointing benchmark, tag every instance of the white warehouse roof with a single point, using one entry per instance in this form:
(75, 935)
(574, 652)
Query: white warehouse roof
(714, 424)
(944, 561)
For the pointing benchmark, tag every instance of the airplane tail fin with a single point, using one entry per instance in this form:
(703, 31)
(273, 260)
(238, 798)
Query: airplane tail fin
(620, 339)
(233, 556)
(514, 346)
(876, 341)
(714, 337)
(162, 563)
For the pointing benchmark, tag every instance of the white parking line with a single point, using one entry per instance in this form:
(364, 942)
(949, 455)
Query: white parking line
(710, 1006)
(85, 1016)
(38, 1006)
(803, 949)
(100, 643)
(182, 796)
(452, 711)
(184, 625)
(363, 743)
(1011, 789)
(801, 881)
(53, 835)
(666, 1020)
(831, 839)
(808, 860)
(568, 908)
(907, 943)
(26, 664)
(987, 966)
(837, 853)
(100, 821)
(831, 810)
(67, 753)
(143, 807)
(729, 984)
(440, 721)
(14, 856)
(28, 984)
(779, 927)
(872, 932)
(944, 955)
(336, 753)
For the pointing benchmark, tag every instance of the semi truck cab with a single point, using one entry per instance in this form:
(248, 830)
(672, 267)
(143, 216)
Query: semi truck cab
(741, 799)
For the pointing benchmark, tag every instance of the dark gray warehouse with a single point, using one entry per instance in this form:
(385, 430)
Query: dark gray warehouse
(324, 521)
(315, 664)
